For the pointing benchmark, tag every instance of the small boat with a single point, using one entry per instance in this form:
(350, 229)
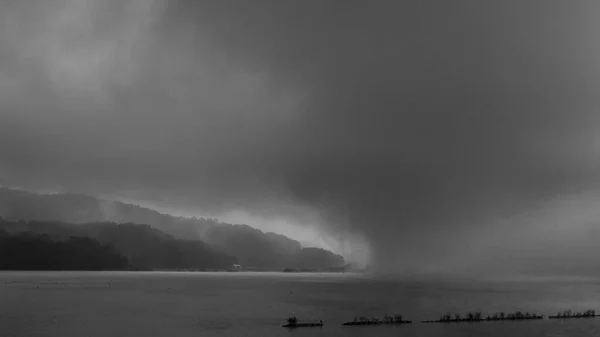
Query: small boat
(387, 319)
(375, 323)
(292, 322)
(301, 325)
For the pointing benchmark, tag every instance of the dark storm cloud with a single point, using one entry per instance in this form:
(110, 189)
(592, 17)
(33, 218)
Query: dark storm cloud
(410, 122)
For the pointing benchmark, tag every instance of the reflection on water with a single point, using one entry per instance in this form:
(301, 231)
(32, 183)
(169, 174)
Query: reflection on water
(74, 304)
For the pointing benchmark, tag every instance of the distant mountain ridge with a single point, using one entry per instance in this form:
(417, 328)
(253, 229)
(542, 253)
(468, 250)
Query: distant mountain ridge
(252, 247)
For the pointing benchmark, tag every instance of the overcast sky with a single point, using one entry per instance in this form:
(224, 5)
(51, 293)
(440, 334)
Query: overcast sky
(441, 133)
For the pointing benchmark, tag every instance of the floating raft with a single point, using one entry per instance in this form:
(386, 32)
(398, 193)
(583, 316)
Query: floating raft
(301, 325)
(376, 323)
(454, 320)
(591, 313)
(518, 316)
(574, 316)
(466, 320)
(515, 318)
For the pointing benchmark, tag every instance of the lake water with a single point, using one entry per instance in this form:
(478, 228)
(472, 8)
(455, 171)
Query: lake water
(79, 304)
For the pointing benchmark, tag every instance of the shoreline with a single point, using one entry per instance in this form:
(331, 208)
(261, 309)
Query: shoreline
(172, 271)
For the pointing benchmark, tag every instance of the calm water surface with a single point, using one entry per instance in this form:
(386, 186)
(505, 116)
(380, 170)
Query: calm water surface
(78, 304)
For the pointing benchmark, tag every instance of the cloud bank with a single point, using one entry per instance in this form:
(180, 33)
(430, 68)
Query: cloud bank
(416, 127)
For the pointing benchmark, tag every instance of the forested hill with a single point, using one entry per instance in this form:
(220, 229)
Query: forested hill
(252, 247)
(144, 247)
(31, 251)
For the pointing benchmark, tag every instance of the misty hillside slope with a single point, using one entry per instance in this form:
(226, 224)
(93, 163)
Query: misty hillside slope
(144, 246)
(252, 247)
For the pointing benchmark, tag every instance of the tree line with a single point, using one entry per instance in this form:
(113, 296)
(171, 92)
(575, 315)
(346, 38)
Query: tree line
(31, 251)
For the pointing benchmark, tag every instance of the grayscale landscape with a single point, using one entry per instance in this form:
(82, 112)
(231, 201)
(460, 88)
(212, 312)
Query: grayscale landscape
(278, 168)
